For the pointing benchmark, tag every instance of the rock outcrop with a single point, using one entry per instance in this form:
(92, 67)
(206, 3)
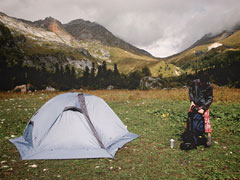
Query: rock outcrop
(148, 82)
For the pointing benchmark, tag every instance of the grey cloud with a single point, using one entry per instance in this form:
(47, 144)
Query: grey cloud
(161, 27)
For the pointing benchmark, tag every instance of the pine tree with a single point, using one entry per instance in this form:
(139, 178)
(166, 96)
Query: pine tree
(86, 76)
(104, 68)
(93, 69)
(92, 81)
(134, 80)
(115, 71)
(146, 71)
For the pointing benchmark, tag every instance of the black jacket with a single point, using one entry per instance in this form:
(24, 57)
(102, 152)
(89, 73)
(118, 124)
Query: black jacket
(201, 95)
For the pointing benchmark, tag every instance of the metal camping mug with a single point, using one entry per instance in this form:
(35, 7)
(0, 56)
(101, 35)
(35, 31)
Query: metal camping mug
(172, 143)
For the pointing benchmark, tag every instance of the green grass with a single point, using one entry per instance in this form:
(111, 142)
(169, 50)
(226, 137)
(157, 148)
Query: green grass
(32, 47)
(165, 69)
(233, 40)
(147, 157)
(127, 61)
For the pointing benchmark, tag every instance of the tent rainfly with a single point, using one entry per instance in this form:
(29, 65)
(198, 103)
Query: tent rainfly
(73, 126)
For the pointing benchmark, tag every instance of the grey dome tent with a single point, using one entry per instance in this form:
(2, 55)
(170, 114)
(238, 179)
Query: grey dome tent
(73, 126)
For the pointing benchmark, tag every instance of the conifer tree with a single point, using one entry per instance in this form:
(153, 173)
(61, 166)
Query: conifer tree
(115, 71)
(86, 76)
(146, 71)
(92, 80)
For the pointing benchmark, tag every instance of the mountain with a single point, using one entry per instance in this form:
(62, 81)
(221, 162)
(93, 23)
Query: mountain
(49, 45)
(49, 42)
(77, 44)
(218, 55)
(86, 30)
(227, 40)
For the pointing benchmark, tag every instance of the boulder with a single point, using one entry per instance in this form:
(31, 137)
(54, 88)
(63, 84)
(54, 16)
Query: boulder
(22, 88)
(149, 82)
(49, 88)
(110, 87)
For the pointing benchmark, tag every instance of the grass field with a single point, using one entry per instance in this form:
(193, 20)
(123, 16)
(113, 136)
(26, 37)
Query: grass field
(157, 116)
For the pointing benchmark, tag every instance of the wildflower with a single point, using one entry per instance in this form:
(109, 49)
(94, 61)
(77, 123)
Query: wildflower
(44, 170)
(5, 166)
(111, 168)
(13, 136)
(33, 166)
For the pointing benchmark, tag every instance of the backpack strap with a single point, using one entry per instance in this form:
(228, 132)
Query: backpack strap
(196, 82)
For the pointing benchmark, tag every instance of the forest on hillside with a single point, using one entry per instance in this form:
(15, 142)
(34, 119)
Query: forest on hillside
(221, 64)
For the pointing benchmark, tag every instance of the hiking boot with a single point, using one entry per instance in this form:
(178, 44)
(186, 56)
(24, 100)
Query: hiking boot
(209, 141)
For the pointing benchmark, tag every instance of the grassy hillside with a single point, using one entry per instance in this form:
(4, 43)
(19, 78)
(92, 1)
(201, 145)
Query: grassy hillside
(128, 61)
(32, 47)
(164, 69)
(233, 40)
(157, 116)
(190, 56)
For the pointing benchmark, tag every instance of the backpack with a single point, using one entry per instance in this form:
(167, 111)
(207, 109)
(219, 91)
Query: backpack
(194, 133)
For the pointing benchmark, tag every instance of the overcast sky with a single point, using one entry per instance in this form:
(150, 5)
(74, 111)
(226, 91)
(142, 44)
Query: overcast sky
(162, 27)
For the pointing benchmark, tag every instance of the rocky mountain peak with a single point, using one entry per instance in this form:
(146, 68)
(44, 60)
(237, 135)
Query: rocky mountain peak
(82, 22)
(49, 24)
(86, 30)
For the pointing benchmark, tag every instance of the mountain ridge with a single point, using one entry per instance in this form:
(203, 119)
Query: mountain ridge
(227, 40)
(87, 30)
(49, 37)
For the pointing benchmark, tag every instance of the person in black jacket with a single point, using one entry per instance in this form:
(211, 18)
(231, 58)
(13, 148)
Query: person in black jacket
(201, 95)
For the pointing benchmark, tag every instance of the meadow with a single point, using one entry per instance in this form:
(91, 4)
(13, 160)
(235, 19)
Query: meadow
(157, 116)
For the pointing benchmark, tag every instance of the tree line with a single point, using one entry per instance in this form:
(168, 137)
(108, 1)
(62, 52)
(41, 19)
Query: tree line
(66, 78)
(221, 65)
